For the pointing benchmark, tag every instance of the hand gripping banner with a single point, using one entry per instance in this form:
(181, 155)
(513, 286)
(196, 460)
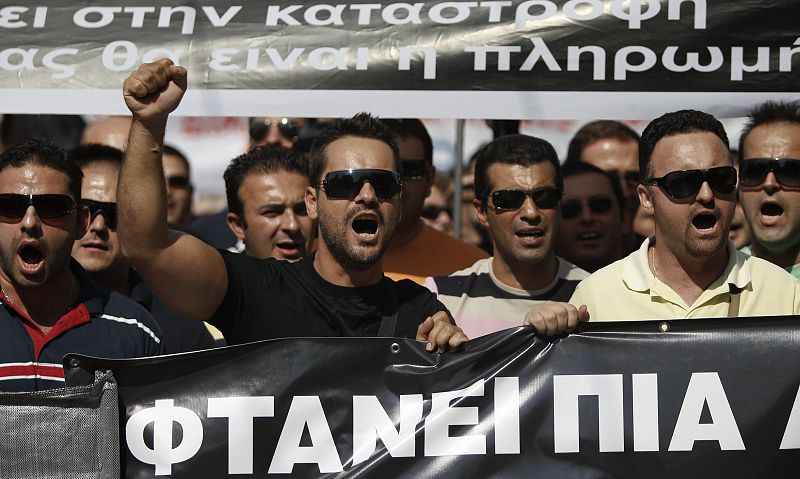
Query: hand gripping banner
(682, 399)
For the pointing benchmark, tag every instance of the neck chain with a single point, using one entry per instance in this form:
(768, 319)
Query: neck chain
(653, 260)
(69, 298)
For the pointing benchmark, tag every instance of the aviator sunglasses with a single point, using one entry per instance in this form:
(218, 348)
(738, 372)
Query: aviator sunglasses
(108, 210)
(346, 184)
(13, 205)
(684, 184)
(574, 208)
(753, 171)
(512, 200)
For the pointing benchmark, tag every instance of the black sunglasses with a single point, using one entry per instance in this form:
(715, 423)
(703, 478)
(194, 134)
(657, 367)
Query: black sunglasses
(108, 210)
(13, 205)
(413, 169)
(753, 171)
(432, 212)
(259, 129)
(346, 184)
(512, 200)
(574, 208)
(178, 181)
(683, 184)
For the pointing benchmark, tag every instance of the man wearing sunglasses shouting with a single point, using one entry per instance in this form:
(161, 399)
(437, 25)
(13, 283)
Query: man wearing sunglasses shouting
(50, 307)
(769, 182)
(689, 268)
(518, 188)
(339, 291)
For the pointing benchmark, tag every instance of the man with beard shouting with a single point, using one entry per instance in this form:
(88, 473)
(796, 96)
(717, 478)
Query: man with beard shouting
(339, 291)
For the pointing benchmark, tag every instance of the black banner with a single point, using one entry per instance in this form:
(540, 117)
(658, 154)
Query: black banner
(532, 51)
(682, 399)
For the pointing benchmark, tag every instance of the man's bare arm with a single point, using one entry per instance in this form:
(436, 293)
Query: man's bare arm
(187, 273)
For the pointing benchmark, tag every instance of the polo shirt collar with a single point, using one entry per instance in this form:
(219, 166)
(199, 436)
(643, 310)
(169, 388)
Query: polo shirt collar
(637, 275)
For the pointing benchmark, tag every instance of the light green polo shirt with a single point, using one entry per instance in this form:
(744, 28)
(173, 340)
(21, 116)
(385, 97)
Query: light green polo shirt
(794, 270)
(627, 290)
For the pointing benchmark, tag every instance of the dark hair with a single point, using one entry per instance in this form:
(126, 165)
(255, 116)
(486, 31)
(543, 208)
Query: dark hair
(597, 130)
(362, 125)
(581, 168)
(675, 123)
(263, 159)
(83, 155)
(415, 128)
(520, 150)
(171, 150)
(769, 112)
(44, 153)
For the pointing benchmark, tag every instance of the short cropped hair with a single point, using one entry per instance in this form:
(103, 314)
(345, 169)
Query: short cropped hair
(171, 150)
(676, 123)
(262, 159)
(597, 130)
(520, 150)
(89, 153)
(362, 125)
(44, 153)
(413, 127)
(769, 112)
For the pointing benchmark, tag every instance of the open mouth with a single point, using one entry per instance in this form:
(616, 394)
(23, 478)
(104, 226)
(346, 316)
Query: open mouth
(771, 209)
(30, 255)
(589, 236)
(365, 226)
(704, 221)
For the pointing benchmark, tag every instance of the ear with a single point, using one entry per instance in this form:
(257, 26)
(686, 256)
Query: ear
(311, 202)
(84, 219)
(645, 196)
(481, 211)
(235, 224)
(430, 177)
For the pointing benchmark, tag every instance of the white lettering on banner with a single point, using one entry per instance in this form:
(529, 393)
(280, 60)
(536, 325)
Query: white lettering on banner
(106, 16)
(786, 56)
(706, 389)
(791, 436)
(163, 454)
(333, 13)
(221, 59)
(123, 55)
(738, 65)
(526, 14)
(674, 12)
(583, 10)
(283, 63)
(139, 14)
(495, 9)
(220, 21)
(16, 59)
(566, 424)
(429, 60)
(412, 13)
(436, 13)
(305, 412)
(188, 13)
(240, 412)
(438, 441)
(503, 56)
(64, 71)
(540, 52)
(598, 57)
(692, 60)
(370, 423)
(622, 66)
(11, 17)
(326, 58)
(635, 15)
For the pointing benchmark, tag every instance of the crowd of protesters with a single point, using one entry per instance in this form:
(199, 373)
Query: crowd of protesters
(352, 234)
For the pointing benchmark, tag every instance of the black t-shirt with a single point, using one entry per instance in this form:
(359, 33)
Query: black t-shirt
(269, 298)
